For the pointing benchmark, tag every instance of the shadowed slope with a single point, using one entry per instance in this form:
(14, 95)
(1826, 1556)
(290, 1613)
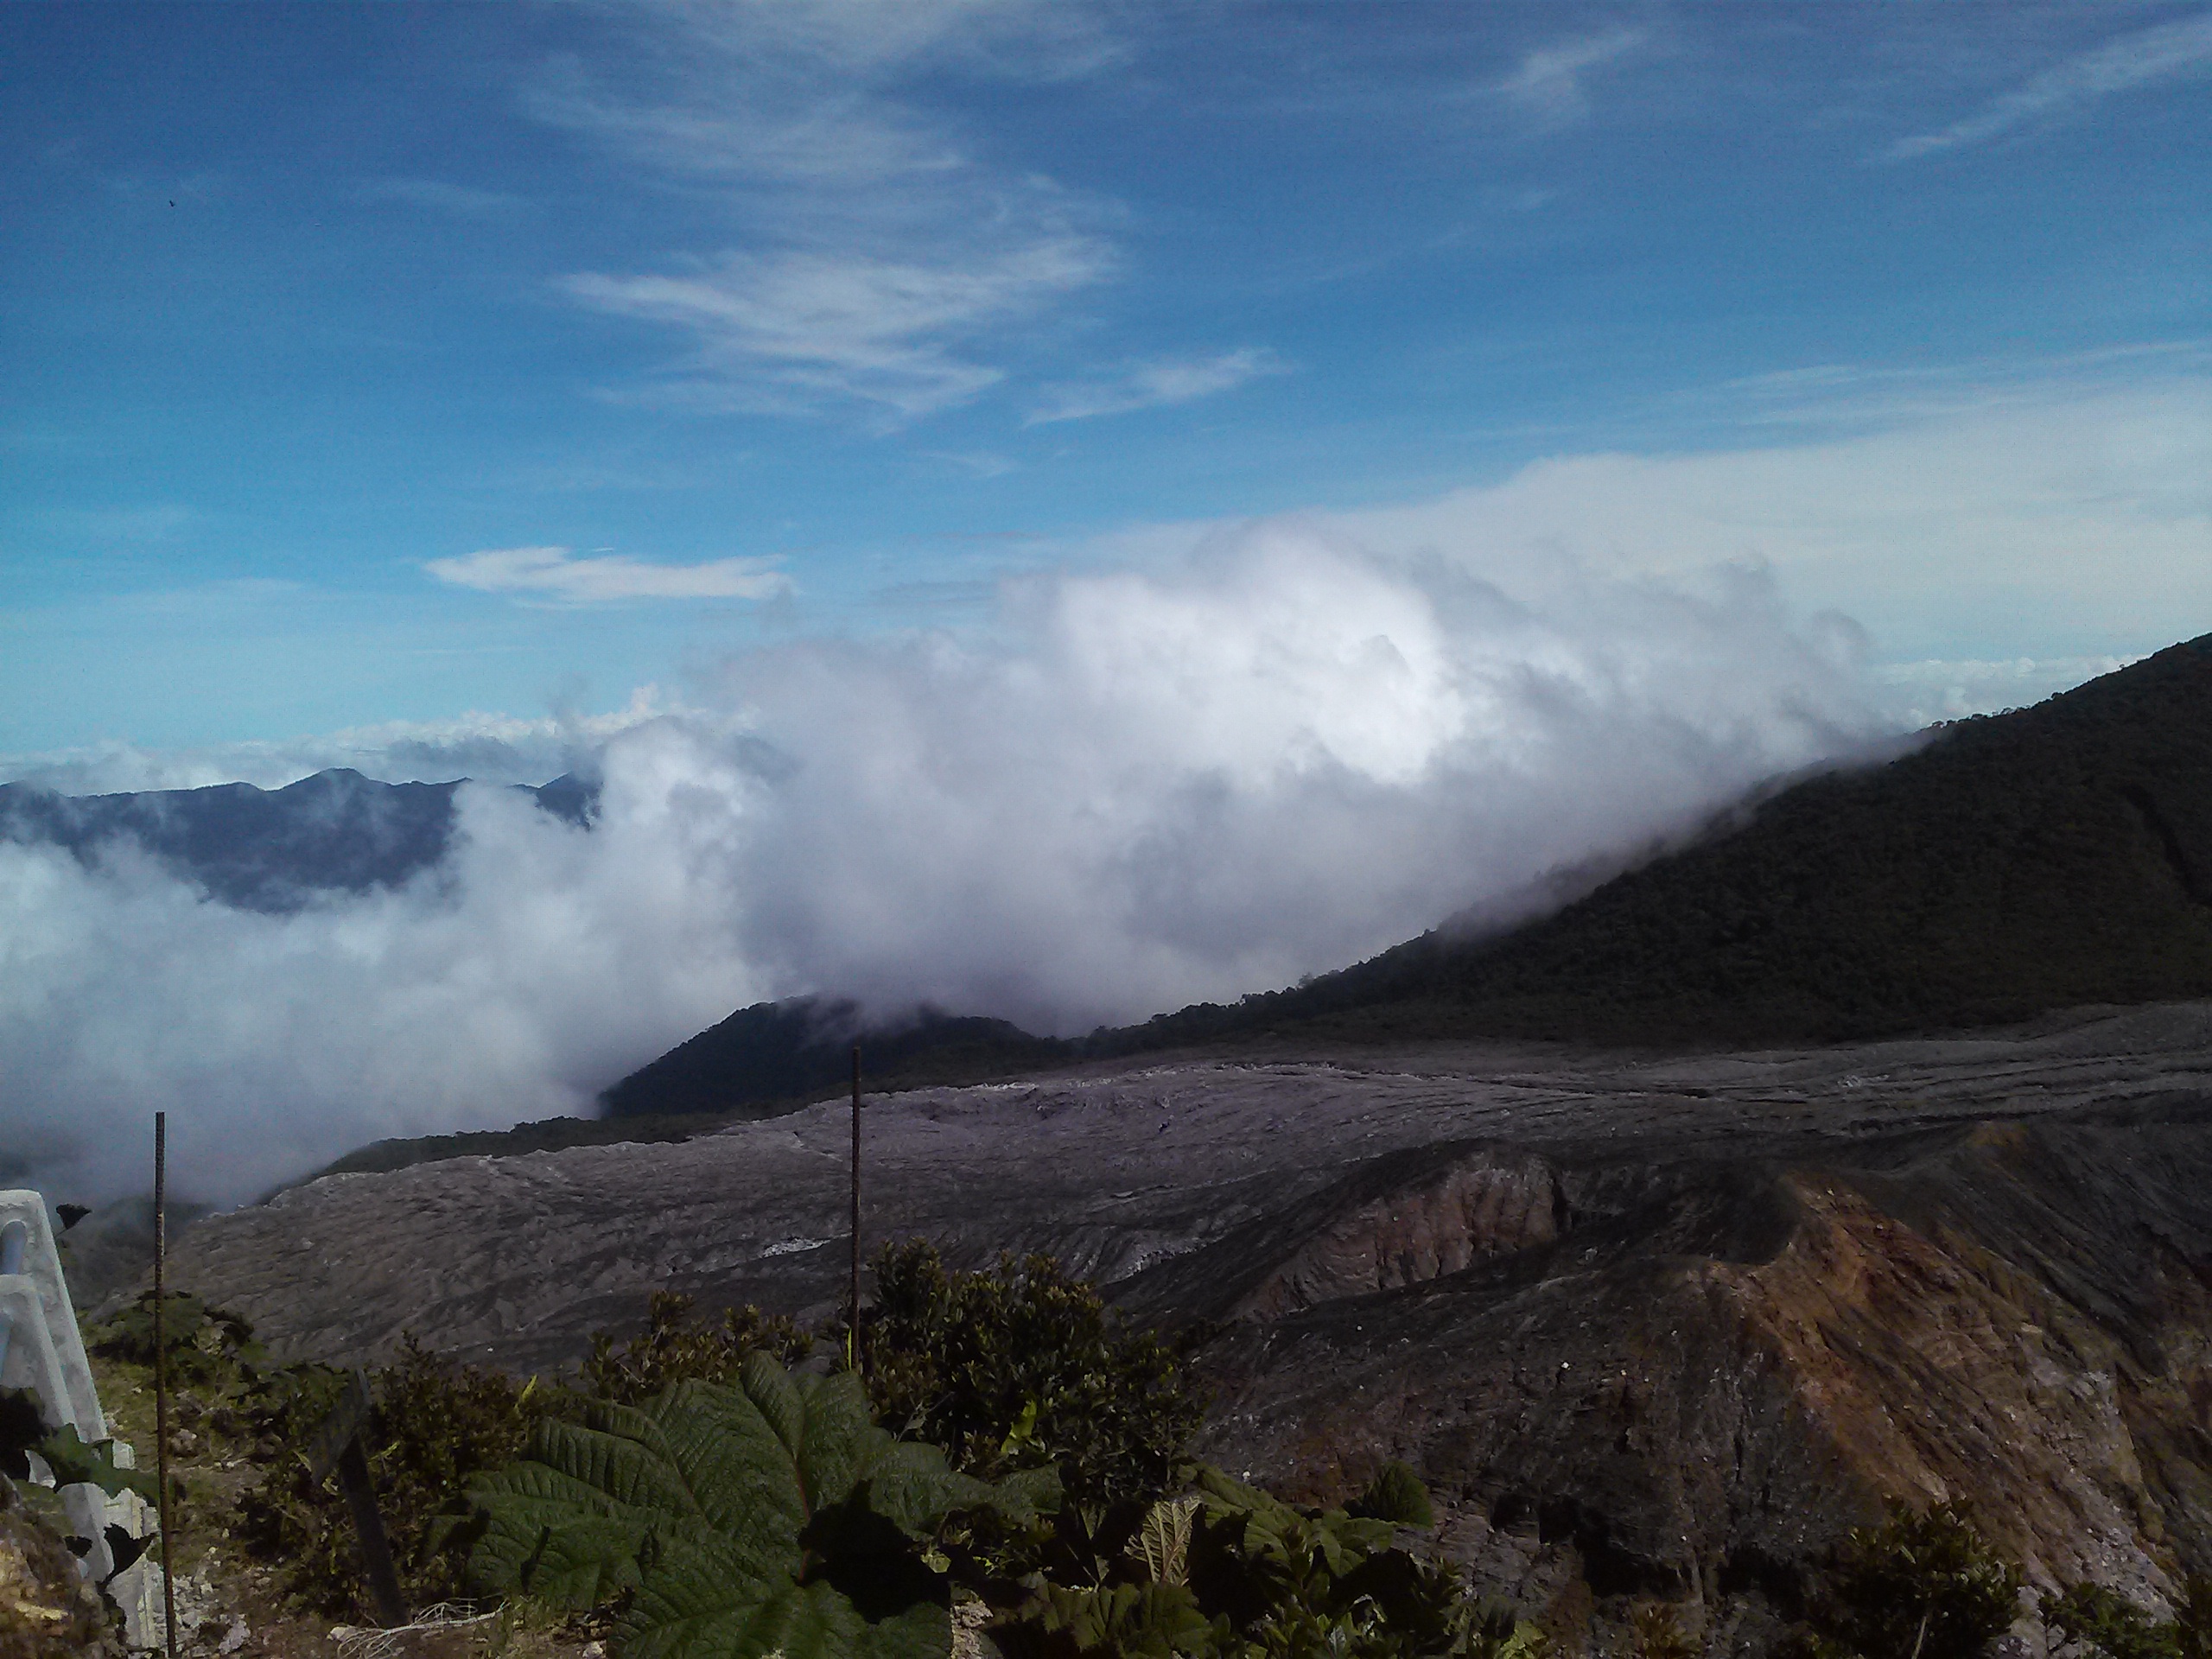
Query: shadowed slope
(2055, 856)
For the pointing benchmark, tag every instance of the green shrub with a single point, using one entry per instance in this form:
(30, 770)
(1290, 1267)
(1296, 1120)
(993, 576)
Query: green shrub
(673, 1348)
(434, 1425)
(2097, 1619)
(1397, 1495)
(1131, 1621)
(1229, 1572)
(774, 1516)
(1923, 1586)
(205, 1346)
(1025, 1366)
(68, 1458)
(1659, 1633)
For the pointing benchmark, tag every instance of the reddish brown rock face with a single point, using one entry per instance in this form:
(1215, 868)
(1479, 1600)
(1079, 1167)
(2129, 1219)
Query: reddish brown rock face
(1485, 1204)
(1713, 1371)
(1648, 1327)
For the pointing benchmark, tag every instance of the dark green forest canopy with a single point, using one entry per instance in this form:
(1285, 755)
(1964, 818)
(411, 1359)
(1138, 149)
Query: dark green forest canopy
(2044, 858)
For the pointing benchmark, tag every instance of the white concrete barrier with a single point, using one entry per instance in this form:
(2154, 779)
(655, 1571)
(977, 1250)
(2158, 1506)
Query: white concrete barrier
(41, 1350)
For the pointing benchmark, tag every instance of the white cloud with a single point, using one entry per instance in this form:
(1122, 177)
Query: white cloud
(1549, 86)
(2080, 517)
(1835, 398)
(823, 139)
(489, 748)
(1150, 385)
(881, 260)
(2149, 55)
(977, 463)
(1273, 756)
(1030, 40)
(1200, 760)
(801, 328)
(554, 573)
(503, 984)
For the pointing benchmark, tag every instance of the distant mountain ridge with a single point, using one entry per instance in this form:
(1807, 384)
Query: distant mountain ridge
(774, 1052)
(271, 850)
(2044, 858)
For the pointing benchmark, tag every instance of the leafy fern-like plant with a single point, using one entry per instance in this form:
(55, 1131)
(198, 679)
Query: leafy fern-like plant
(771, 1516)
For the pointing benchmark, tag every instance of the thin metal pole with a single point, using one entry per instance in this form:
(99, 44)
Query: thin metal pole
(852, 1302)
(162, 1377)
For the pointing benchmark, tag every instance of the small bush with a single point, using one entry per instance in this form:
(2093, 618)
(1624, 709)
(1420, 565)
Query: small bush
(1659, 1633)
(2094, 1618)
(2096, 1621)
(1397, 1495)
(1924, 1586)
(1023, 1366)
(204, 1346)
(435, 1424)
(673, 1347)
(1229, 1572)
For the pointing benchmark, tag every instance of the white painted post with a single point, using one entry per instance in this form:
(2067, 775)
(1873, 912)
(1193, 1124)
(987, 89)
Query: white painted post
(41, 1350)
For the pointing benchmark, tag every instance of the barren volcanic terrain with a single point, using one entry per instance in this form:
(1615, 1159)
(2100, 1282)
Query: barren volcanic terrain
(1649, 1325)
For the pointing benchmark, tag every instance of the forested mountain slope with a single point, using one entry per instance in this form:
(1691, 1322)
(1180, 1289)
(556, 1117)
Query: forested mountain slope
(2045, 858)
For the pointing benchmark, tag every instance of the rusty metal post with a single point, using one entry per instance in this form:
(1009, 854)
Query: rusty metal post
(853, 1299)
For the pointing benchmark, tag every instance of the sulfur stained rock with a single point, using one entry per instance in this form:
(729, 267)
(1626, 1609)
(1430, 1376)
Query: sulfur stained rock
(1654, 1328)
(1701, 1386)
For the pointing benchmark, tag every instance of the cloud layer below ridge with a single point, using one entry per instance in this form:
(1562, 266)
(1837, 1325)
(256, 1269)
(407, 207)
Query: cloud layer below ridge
(1269, 758)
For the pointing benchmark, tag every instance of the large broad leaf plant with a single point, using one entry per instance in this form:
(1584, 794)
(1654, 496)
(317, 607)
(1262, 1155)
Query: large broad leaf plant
(1227, 1571)
(771, 1517)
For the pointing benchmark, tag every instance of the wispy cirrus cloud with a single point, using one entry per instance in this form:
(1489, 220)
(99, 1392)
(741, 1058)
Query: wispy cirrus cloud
(1548, 84)
(1150, 385)
(837, 138)
(1026, 40)
(552, 573)
(1844, 397)
(2165, 52)
(869, 257)
(794, 329)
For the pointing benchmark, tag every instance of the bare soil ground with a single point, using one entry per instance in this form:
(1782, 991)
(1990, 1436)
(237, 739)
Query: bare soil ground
(1651, 1326)
(229, 1605)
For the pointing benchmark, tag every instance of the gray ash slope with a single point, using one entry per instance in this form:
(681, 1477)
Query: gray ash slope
(2038, 859)
(1663, 1325)
(274, 850)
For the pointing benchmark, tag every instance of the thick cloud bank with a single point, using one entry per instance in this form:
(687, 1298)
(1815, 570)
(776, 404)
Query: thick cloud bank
(1276, 757)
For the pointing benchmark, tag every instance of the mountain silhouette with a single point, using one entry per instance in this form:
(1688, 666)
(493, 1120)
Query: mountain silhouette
(271, 850)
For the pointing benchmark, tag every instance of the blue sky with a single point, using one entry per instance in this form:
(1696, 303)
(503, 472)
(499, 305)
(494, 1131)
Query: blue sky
(1049, 509)
(393, 365)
